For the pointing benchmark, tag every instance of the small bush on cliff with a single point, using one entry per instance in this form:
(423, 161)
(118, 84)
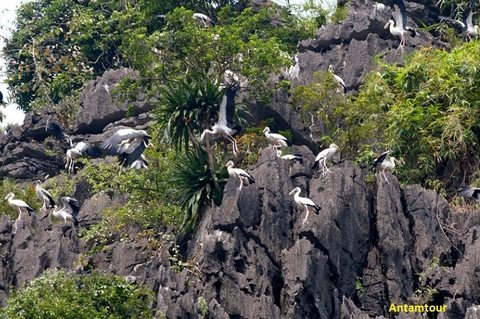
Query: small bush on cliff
(66, 295)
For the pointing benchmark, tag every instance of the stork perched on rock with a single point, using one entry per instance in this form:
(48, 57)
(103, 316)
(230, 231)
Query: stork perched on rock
(291, 158)
(276, 140)
(20, 205)
(303, 201)
(69, 211)
(471, 192)
(224, 126)
(203, 20)
(80, 149)
(467, 27)
(341, 83)
(385, 163)
(44, 196)
(128, 144)
(398, 26)
(324, 156)
(239, 174)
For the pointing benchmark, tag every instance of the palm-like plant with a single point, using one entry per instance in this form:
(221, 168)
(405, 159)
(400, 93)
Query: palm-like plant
(195, 184)
(184, 107)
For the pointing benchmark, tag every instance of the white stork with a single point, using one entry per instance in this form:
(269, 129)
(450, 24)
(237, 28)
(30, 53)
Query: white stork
(20, 205)
(80, 149)
(303, 201)
(276, 140)
(224, 126)
(239, 174)
(203, 20)
(385, 163)
(324, 156)
(128, 144)
(341, 83)
(470, 191)
(467, 26)
(140, 163)
(398, 26)
(44, 196)
(290, 158)
(69, 211)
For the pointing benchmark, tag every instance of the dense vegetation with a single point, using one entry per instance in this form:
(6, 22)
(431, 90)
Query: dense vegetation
(65, 295)
(425, 111)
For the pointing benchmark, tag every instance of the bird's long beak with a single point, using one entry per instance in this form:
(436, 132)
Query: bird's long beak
(292, 192)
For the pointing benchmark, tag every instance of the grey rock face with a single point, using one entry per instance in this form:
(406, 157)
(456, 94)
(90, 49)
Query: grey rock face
(372, 244)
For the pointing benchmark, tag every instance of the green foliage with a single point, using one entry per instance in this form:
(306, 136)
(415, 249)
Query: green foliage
(25, 193)
(354, 125)
(194, 184)
(359, 284)
(433, 122)
(202, 306)
(245, 43)
(150, 202)
(61, 294)
(184, 107)
(340, 13)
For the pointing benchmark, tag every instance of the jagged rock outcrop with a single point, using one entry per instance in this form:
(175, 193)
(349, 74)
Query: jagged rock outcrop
(373, 244)
(253, 257)
(29, 152)
(351, 48)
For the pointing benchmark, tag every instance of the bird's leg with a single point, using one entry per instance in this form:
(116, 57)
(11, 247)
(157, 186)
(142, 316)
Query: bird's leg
(234, 144)
(306, 216)
(384, 175)
(402, 44)
(240, 186)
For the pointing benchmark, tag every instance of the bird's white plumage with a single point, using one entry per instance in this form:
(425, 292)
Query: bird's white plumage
(140, 163)
(69, 210)
(289, 157)
(123, 135)
(81, 149)
(339, 80)
(128, 144)
(224, 125)
(398, 26)
(385, 163)
(18, 204)
(44, 196)
(324, 156)
(276, 140)
(239, 174)
(467, 25)
(203, 20)
(303, 201)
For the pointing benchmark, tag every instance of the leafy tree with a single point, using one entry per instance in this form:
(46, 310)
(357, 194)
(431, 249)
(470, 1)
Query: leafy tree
(433, 122)
(62, 294)
(354, 124)
(150, 201)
